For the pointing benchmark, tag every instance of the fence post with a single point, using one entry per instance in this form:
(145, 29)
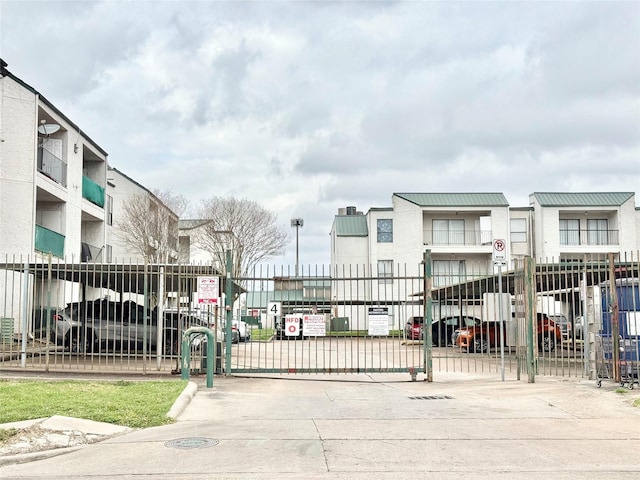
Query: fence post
(615, 325)
(529, 305)
(228, 302)
(427, 319)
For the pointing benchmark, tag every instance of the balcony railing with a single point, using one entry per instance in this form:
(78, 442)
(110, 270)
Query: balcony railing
(463, 238)
(53, 167)
(589, 237)
(48, 241)
(90, 253)
(92, 191)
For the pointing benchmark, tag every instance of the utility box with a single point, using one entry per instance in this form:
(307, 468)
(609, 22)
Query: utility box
(339, 324)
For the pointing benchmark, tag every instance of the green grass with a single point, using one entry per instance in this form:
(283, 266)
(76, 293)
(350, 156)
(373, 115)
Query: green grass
(261, 334)
(266, 334)
(133, 404)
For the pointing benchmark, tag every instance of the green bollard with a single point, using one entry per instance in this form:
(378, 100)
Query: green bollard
(185, 362)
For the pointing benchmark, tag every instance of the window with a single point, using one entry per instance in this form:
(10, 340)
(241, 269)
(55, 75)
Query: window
(598, 231)
(448, 232)
(448, 272)
(385, 271)
(385, 230)
(518, 230)
(569, 231)
(109, 210)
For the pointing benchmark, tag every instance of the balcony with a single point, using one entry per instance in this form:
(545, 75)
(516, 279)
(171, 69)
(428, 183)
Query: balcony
(588, 237)
(51, 166)
(92, 192)
(457, 238)
(90, 252)
(48, 241)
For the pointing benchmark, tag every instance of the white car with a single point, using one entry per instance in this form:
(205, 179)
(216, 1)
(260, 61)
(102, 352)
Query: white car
(243, 329)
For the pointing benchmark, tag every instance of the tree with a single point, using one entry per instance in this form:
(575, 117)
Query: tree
(177, 203)
(149, 228)
(250, 231)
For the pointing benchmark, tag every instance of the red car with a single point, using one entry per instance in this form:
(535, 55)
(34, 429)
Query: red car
(481, 338)
(413, 328)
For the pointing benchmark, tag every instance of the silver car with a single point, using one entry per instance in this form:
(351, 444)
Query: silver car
(95, 325)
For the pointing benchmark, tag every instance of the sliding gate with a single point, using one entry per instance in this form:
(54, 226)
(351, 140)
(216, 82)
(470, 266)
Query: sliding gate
(346, 322)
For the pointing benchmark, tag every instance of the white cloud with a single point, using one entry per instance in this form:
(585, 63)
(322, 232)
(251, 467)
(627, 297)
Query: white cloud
(311, 106)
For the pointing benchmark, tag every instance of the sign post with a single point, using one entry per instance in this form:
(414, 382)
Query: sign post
(500, 260)
(208, 290)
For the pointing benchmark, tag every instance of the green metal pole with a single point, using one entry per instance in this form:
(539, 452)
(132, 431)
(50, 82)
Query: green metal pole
(228, 301)
(426, 325)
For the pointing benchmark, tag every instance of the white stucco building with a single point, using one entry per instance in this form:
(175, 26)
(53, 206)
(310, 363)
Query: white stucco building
(459, 229)
(161, 225)
(52, 178)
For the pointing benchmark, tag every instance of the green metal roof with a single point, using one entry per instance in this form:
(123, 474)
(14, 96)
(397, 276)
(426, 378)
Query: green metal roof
(455, 199)
(351, 226)
(584, 199)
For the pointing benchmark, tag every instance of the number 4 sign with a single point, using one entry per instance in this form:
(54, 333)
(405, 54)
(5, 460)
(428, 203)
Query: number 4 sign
(274, 308)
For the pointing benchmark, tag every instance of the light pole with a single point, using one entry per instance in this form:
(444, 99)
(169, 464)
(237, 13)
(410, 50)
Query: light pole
(297, 223)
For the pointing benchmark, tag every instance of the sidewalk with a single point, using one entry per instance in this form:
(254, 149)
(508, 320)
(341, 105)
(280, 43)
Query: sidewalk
(373, 427)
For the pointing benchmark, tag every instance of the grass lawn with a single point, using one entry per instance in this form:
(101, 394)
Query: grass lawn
(138, 404)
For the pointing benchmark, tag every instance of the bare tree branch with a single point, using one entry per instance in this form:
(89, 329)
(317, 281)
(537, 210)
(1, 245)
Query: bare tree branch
(149, 228)
(249, 230)
(178, 203)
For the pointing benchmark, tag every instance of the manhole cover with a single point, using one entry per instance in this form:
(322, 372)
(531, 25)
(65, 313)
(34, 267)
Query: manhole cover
(193, 442)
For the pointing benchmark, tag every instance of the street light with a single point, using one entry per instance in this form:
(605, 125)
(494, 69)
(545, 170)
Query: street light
(297, 223)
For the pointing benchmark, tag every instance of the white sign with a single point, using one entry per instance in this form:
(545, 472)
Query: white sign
(500, 252)
(378, 320)
(208, 290)
(314, 325)
(274, 308)
(292, 325)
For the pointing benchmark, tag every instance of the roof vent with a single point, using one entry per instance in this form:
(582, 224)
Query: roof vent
(351, 210)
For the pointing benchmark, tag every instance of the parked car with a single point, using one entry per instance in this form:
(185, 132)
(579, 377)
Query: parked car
(175, 325)
(443, 329)
(244, 330)
(94, 325)
(565, 326)
(481, 338)
(235, 335)
(579, 327)
(413, 328)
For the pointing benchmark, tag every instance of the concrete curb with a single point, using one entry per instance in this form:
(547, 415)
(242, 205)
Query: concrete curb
(183, 400)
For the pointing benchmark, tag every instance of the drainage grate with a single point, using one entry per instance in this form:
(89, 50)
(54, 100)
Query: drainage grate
(193, 442)
(432, 397)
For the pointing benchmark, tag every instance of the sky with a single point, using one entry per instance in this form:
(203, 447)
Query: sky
(310, 106)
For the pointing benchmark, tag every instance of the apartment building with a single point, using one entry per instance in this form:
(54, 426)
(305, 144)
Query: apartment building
(139, 225)
(569, 226)
(382, 249)
(52, 178)
(459, 229)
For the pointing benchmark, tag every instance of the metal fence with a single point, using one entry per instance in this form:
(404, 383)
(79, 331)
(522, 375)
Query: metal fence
(539, 318)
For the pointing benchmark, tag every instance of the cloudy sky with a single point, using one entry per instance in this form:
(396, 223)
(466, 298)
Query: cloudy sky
(306, 107)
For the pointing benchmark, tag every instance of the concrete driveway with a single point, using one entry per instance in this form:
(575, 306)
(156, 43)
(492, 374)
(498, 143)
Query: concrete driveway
(373, 427)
